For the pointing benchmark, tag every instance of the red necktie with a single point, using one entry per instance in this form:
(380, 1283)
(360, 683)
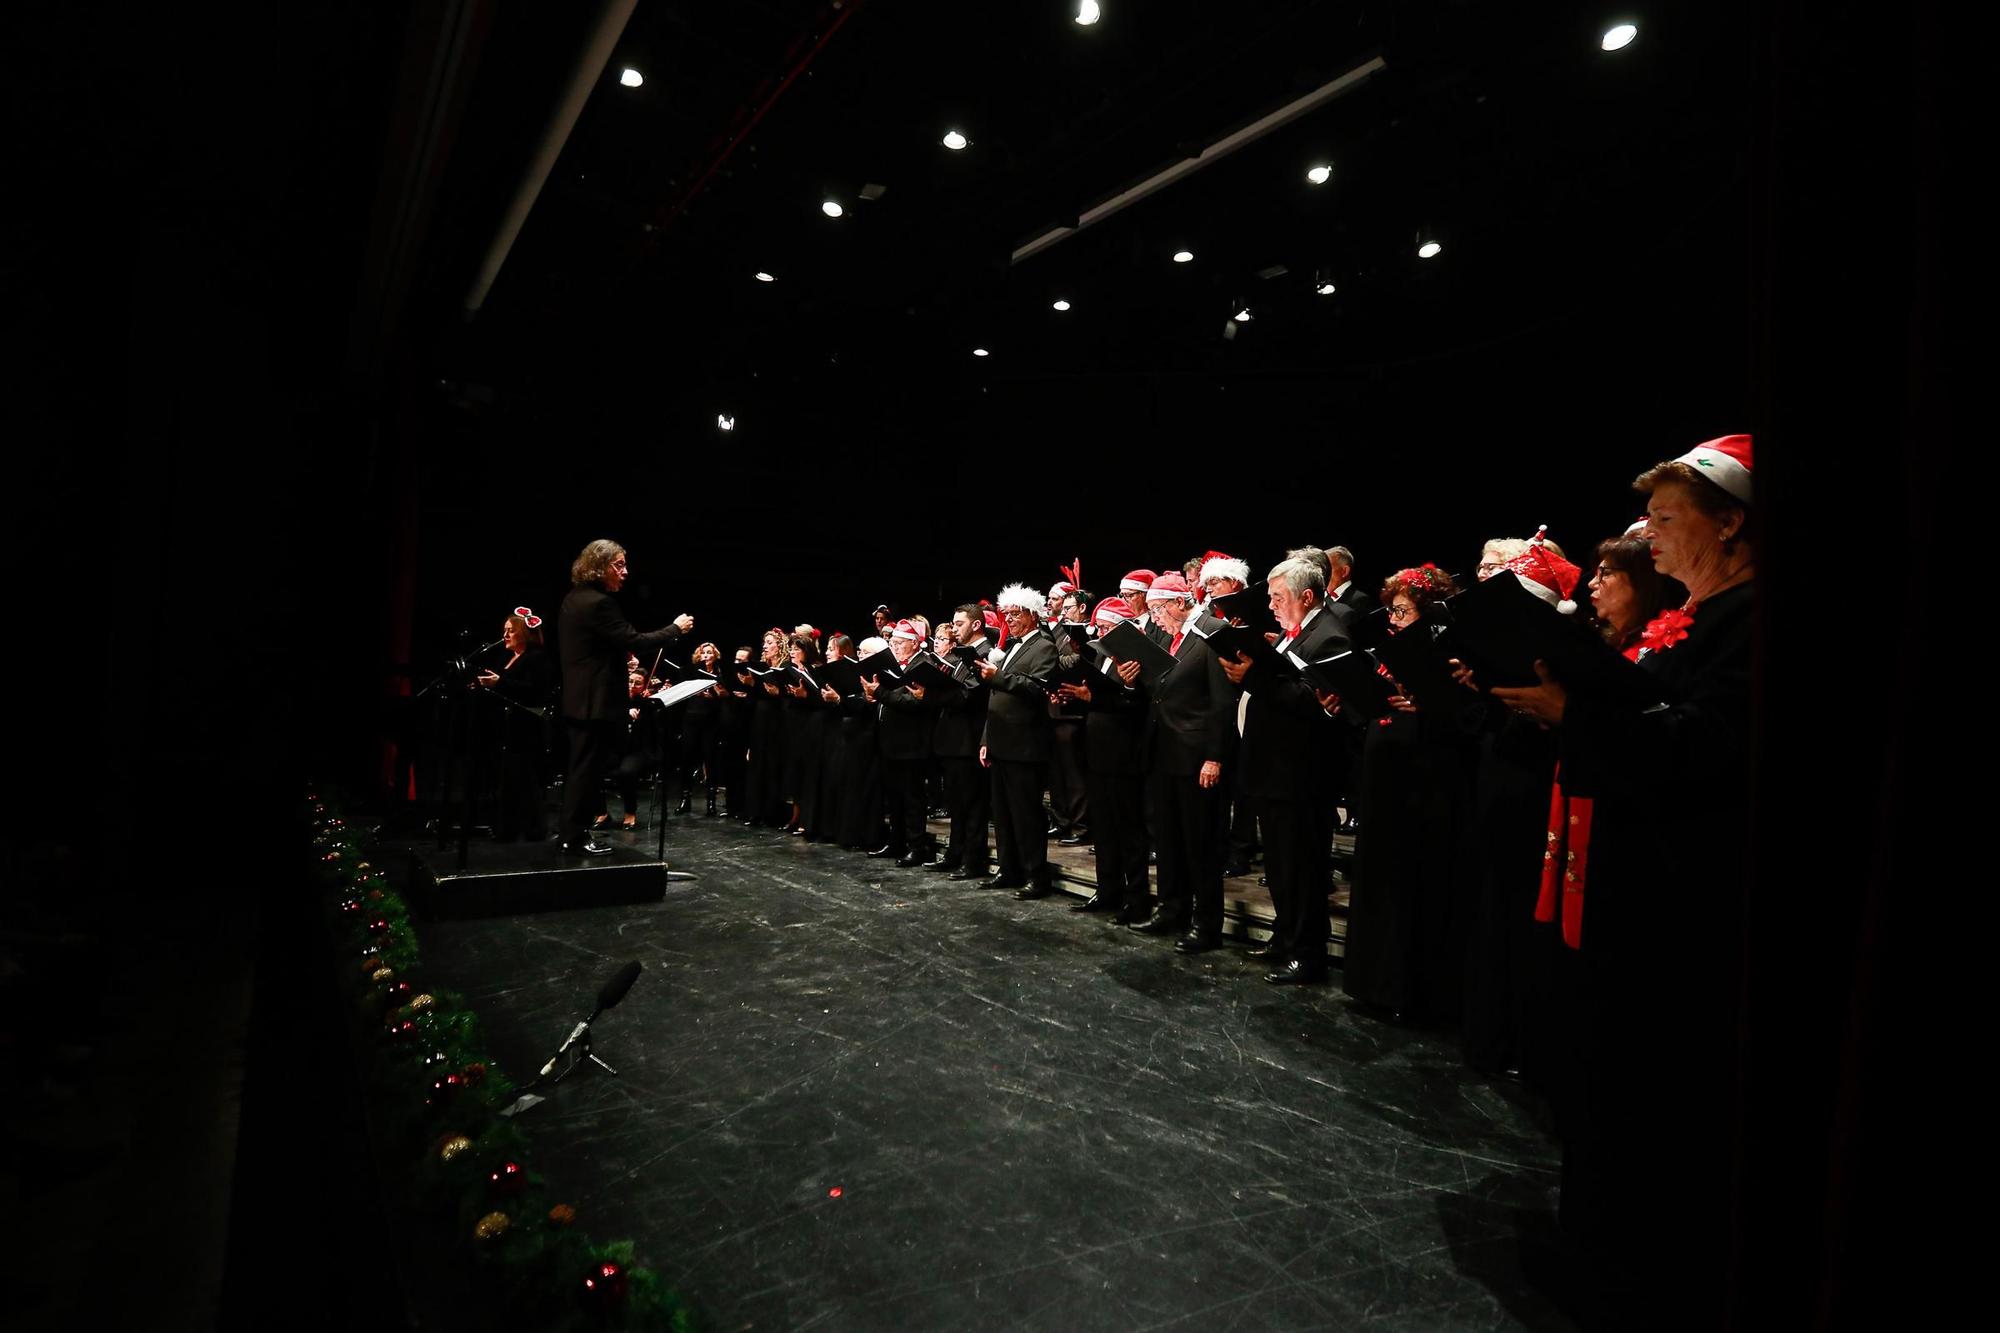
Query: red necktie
(1174, 648)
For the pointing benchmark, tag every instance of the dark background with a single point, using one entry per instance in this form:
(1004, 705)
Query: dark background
(262, 469)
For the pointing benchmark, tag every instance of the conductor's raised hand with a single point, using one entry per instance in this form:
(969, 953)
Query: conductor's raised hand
(683, 622)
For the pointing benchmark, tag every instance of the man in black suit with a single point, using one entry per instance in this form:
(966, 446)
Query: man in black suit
(596, 640)
(961, 720)
(1016, 743)
(1192, 742)
(1115, 769)
(1291, 763)
(1342, 596)
(903, 736)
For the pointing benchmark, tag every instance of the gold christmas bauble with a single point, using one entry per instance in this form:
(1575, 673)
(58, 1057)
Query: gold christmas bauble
(452, 1147)
(492, 1226)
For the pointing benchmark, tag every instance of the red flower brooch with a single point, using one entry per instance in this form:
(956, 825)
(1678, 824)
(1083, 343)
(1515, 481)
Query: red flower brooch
(1665, 630)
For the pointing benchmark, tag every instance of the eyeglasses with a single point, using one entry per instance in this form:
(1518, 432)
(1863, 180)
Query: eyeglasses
(1402, 613)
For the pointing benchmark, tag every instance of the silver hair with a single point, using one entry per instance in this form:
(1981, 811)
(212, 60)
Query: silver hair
(1312, 555)
(1299, 574)
(1341, 557)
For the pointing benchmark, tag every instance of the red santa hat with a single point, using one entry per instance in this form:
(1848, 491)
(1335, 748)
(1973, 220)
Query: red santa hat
(1724, 461)
(1546, 574)
(1061, 589)
(1168, 587)
(1216, 565)
(994, 622)
(1020, 597)
(906, 630)
(1137, 581)
(1113, 611)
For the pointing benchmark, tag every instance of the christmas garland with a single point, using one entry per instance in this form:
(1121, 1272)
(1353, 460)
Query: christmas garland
(435, 1100)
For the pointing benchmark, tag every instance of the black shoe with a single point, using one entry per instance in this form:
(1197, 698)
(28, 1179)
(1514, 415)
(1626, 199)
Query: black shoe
(588, 847)
(1198, 941)
(1163, 922)
(962, 873)
(888, 849)
(1073, 839)
(1003, 880)
(1097, 902)
(1296, 973)
(1131, 914)
(1263, 881)
(1268, 949)
(910, 860)
(942, 863)
(1029, 892)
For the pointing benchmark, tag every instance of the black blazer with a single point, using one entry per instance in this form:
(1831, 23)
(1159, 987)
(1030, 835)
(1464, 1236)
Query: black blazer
(962, 715)
(1194, 712)
(595, 637)
(905, 730)
(1017, 707)
(1114, 728)
(1291, 749)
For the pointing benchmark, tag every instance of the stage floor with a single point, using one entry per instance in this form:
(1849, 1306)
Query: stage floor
(855, 1097)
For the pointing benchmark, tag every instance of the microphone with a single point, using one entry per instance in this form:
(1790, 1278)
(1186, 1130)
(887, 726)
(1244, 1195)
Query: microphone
(614, 991)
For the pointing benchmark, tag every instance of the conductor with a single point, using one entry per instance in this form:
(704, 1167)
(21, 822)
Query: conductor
(596, 641)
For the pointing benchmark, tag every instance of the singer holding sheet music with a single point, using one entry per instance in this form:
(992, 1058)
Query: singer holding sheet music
(596, 640)
(523, 680)
(1646, 1164)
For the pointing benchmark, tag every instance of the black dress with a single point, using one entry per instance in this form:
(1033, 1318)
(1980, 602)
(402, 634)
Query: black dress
(1508, 953)
(527, 684)
(1646, 1165)
(1405, 926)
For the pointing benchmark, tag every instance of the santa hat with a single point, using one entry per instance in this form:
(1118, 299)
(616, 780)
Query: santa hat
(1216, 565)
(1113, 611)
(1060, 589)
(1137, 581)
(1638, 527)
(1724, 461)
(1020, 597)
(1168, 587)
(995, 623)
(1546, 574)
(905, 630)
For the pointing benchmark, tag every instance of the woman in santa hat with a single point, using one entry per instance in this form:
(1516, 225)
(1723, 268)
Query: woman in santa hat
(1405, 932)
(1647, 1163)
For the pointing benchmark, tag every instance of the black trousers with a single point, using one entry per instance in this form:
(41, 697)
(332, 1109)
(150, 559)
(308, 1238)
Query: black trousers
(1118, 822)
(903, 802)
(968, 795)
(1069, 791)
(1191, 839)
(592, 751)
(1019, 828)
(1298, 838)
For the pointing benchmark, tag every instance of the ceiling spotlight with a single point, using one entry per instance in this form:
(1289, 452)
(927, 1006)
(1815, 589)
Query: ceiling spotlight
(979, 351)
(831, 208)
(724, 423)
(1619, 37)
(1428, 250)
(1243, 315)
(1324, 289)
(1088, 13)
(1062, 305)
(954, 140)
(1320, 174)
(762, 276)
(1183, 256)
(632, 78)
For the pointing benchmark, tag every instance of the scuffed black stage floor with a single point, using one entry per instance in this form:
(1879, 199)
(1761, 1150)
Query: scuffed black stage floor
(1033, 1119)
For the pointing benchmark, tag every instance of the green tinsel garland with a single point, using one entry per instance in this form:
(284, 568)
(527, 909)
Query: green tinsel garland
(436, 1097)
